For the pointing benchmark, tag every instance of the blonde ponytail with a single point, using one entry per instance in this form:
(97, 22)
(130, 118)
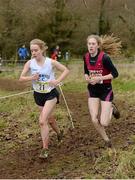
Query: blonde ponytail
(111, 45)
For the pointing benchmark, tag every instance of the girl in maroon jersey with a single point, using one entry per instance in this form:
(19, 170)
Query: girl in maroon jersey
(99, 72)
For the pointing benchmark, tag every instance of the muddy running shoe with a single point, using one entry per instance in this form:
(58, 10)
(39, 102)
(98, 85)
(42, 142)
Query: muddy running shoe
(44, 154)
(108, 144)
(111, 149)
(60, 136)
(116, 112)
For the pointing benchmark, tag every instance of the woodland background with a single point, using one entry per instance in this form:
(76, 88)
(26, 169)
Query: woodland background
(64, 22)
(82, 154)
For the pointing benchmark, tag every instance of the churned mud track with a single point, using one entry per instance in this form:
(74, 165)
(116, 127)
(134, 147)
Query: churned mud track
(12, 85)
(76, 155)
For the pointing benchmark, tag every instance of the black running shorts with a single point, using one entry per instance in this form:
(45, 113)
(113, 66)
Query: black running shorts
(41, 98)
(102, 91)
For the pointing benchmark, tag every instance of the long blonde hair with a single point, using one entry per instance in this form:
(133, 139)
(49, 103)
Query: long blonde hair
(108, 43)
(40, 43)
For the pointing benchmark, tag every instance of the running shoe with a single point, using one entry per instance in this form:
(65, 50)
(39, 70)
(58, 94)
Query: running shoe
(60, 136)
(108, 144)
(44, 154)
(116, 112)
(111, 149)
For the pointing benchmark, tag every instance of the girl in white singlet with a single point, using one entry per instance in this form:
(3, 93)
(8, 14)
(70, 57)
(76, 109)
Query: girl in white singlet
(44, 84)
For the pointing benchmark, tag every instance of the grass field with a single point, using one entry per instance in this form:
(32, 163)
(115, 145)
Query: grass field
(81, 154)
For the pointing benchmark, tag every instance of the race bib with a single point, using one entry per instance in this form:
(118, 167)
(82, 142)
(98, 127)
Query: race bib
(95, 73)
(42, 87)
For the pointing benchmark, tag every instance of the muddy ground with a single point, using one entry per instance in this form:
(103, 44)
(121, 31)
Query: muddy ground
(76, 156)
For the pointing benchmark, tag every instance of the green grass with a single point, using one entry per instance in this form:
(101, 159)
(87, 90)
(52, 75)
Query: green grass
(126, 165)
(21, 112)
(124, 86)
(13, 74)
(3, 123)
(75, 87)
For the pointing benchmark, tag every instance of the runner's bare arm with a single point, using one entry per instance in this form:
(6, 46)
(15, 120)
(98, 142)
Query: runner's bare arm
(98, 79)
(63, 69)
(24, 76)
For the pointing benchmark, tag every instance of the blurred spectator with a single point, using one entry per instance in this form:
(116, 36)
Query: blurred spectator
(56, 54)
(23, 53)
(67, 55)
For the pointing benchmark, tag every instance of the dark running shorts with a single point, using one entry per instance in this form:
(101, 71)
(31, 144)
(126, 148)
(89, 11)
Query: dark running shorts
(41, 98)
(102, 91)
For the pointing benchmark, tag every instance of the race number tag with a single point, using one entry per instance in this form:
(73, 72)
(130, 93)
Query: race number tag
(95, 73)
(42, 87)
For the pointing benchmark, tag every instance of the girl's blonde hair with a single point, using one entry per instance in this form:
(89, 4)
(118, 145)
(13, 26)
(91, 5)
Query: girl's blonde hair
(40, 43)
(108, 43)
